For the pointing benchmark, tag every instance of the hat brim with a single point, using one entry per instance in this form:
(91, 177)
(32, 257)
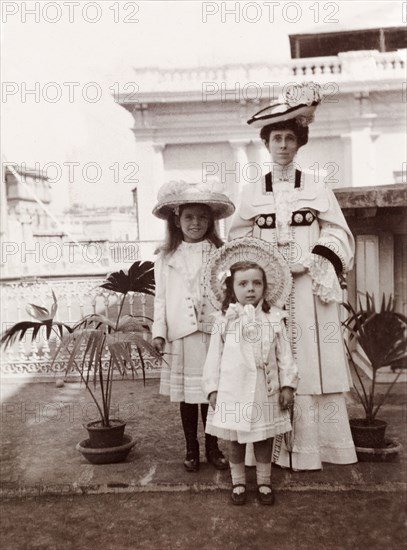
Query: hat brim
(220, 205)
(269, 116)
(266, 255)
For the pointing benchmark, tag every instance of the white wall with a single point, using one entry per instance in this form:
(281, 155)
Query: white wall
(390, 153)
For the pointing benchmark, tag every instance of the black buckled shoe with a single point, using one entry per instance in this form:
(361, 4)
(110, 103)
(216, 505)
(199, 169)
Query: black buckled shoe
(191, 462)
(217, 458)
(238, 497)
(213, 454)
(266, 497)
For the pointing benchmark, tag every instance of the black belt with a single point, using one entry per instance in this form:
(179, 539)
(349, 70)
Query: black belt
(299, 217)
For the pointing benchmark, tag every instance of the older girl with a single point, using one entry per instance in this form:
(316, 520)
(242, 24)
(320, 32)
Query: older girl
(181, 309)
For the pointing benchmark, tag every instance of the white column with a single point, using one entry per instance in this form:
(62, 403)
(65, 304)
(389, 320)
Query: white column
(235, 175)
(3, 204)
(261, 158)
(367, 265)
(359, 158)
(151, 177)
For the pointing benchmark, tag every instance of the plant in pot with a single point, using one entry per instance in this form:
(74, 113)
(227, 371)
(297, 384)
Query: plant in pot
(99, 349)
(382, 337)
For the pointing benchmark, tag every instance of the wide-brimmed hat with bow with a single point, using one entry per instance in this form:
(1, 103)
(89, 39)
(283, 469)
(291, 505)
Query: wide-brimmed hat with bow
(248, 249)
(176, 193)
(299, 103)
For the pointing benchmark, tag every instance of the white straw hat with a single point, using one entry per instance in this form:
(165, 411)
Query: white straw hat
(175, 193)
(249, 249)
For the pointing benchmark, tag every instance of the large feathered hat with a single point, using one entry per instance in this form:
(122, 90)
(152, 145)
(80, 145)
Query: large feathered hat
(299, 102)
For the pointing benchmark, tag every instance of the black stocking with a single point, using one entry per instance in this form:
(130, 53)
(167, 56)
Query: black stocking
(189, 418)
(204, 413)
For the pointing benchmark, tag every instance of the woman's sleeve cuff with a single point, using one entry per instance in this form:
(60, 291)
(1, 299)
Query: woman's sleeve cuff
(330, 255)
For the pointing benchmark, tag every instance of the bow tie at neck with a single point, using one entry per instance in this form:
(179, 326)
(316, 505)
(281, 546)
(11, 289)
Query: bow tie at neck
(247, 312)
(255, 332)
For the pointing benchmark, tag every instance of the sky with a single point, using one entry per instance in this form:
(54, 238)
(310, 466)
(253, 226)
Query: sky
(73, 53)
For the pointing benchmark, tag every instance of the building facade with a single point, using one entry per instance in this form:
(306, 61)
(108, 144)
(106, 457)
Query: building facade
(191, 123)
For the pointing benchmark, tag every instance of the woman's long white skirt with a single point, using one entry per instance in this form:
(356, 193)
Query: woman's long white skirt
(321, 433)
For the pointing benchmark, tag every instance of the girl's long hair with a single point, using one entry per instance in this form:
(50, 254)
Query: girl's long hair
(230, 297)
(174, 235)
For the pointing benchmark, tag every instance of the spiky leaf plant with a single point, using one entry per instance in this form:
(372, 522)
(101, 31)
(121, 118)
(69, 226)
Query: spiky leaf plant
(382, 336)
(87, 341)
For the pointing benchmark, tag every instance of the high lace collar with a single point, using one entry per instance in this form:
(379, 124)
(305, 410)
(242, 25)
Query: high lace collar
(283, 173)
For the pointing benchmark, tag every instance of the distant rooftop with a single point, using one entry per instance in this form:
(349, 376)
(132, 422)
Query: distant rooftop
(334, 41)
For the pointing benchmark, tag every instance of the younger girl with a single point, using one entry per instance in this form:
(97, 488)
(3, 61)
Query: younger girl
(249, 374)
(181, 309)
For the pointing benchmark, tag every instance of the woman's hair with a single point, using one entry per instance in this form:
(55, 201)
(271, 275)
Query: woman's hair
(230, 297)
(300, 131)
(174, 236)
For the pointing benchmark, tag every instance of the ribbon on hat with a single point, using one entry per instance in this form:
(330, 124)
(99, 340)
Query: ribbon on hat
(307, 93)
(222, 276)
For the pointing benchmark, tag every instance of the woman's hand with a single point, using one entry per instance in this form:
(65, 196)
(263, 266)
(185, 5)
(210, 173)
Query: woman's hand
(158, 344)
(297, 269)
(286, 398)
(213, 396)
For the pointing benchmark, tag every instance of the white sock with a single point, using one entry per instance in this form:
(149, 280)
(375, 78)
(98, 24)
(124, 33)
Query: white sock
(263, 473)
(238, 473)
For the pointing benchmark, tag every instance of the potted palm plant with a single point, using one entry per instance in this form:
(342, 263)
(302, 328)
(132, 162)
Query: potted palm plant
(382, 337)
(100, 350)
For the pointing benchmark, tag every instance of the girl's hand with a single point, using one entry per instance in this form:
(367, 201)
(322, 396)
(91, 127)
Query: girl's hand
(158, 344)
(286, 398)
(213, 398)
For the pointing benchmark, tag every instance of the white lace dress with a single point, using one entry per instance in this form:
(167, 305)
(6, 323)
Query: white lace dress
(249, 360)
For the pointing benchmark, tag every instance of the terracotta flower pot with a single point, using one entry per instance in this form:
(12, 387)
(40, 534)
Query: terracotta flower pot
(368, 435)
(106, 455)
(388, 453)
(102, 436)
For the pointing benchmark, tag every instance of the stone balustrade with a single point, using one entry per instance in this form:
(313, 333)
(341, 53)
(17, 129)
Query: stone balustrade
(76, 298)
(340, 68)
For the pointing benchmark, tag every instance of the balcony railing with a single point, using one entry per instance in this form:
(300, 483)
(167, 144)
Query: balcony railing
(345, 67)
(76, 298)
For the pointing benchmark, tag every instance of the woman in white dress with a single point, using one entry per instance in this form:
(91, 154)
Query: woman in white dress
(295, 210)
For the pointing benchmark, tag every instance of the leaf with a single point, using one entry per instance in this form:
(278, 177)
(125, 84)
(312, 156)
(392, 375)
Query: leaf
(382, 335)
(54, 306)
(94, 319)
(41, 313)
(19, 330)
(128, 323)
(38, 312)
(140, 278)
(118, 282)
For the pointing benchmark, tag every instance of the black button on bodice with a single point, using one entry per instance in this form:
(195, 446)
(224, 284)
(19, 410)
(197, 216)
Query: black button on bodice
(299, 217)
